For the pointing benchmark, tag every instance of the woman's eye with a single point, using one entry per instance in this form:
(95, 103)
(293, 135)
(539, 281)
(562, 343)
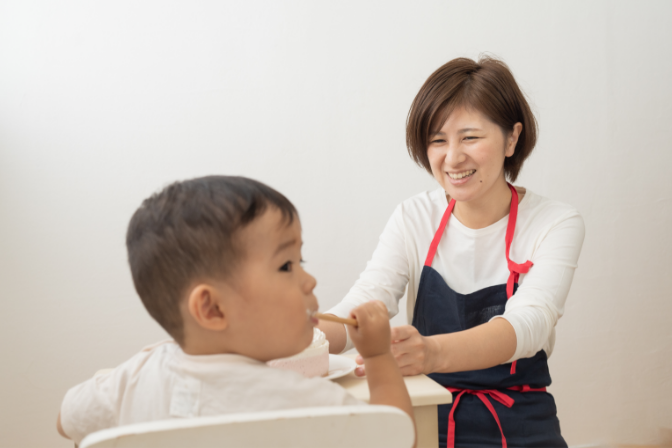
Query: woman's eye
(470, 138)
(437, 141)
(287, 267)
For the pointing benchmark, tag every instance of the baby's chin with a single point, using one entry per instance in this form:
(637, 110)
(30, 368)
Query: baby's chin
(308, 339)
(305, 343)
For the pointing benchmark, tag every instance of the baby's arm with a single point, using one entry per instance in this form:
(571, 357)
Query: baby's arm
(89, 406)
(372, 339)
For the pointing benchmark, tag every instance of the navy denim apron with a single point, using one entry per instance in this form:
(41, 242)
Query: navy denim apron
(505, 405)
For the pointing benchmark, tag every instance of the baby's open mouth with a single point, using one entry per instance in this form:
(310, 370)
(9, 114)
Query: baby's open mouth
(461, 175)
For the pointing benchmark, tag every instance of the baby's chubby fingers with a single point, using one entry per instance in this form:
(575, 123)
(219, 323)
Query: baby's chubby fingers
(372, 334)
(371, 317)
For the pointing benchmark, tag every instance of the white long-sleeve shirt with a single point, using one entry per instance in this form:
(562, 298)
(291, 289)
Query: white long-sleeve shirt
(548, 233)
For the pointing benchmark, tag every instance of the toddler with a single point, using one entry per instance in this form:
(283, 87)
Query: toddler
(217, 263)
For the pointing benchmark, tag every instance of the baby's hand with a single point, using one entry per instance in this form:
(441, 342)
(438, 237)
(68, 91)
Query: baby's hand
(372, 334)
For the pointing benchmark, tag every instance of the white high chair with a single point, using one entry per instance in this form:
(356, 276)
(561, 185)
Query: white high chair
(325, 427)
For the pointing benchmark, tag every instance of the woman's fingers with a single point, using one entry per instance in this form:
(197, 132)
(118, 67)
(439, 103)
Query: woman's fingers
(410, 344)
(403, 332)
(408, 366)
(410, 370)
(408, 348)
(398, 349)
(409, 359)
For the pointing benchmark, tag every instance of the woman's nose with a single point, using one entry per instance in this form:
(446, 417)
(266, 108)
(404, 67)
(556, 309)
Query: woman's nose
(455, 155)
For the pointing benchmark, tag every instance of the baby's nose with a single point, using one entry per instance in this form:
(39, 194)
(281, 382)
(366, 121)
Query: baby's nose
(310, 283)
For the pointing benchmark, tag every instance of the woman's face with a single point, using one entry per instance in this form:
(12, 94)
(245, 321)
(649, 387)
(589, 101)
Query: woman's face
(467, 154)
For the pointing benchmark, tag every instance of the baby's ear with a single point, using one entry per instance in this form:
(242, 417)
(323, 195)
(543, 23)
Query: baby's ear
(206, 306)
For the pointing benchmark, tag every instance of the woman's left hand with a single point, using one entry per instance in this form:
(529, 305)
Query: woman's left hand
(411, 350)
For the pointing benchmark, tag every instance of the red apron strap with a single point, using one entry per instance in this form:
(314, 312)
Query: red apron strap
(450, 437)
(488, 405)
(439, 233)
(482, 395)
(527, 388)
(514, 268)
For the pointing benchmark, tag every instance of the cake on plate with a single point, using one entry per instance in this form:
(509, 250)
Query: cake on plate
(313, 361)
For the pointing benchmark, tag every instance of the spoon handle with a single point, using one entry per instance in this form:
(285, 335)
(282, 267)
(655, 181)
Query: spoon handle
(332, 318)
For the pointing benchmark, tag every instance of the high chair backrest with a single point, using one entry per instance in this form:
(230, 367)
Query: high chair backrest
(327, 427)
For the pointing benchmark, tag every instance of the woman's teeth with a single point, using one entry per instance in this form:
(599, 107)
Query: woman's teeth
(462, 174)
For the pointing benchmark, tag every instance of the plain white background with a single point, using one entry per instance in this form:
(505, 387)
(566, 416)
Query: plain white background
(102, 103)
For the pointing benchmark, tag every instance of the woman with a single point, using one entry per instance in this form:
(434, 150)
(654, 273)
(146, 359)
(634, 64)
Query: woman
(486, 266)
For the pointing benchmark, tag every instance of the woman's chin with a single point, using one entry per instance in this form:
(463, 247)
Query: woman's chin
(461, 193)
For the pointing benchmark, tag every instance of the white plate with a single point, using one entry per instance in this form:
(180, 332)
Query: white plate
(339, 366)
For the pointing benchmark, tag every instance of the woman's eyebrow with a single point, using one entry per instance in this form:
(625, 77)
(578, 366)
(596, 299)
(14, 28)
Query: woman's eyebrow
(461, 131)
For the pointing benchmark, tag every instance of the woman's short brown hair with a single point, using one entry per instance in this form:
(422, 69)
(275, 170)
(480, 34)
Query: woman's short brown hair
(487, 86)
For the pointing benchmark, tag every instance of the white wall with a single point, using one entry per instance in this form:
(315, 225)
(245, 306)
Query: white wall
(102, 103)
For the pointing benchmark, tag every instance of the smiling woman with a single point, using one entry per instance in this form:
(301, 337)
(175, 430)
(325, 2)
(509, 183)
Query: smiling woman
(487, 86)
(485, 292)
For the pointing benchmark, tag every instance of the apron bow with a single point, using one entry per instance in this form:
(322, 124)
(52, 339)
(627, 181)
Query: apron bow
(482, 395)
(515, 270)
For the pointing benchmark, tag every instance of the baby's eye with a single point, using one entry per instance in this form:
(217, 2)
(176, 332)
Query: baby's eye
(287, 267)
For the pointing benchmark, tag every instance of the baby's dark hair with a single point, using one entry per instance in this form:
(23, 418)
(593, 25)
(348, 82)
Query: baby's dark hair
(186, 233)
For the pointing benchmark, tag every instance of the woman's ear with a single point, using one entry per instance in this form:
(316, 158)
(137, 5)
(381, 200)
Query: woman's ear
(512, 140)
(206, 305)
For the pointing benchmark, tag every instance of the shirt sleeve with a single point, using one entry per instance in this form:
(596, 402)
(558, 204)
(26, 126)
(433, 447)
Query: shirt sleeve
(386, 274)
(89, 407)
(539, 302)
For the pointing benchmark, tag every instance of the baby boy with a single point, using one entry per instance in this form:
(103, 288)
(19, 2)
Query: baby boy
(217, 263)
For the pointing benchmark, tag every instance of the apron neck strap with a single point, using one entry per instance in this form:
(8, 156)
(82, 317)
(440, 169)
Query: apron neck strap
(513, 217)
(439, 233)
(515, 269)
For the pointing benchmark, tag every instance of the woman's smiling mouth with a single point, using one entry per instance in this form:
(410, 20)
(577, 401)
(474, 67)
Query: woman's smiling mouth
(461, 177)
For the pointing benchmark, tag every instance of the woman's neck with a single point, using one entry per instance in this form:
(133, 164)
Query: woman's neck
(487, 210)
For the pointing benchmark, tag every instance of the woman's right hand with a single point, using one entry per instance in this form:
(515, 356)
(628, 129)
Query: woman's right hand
(411, 350)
